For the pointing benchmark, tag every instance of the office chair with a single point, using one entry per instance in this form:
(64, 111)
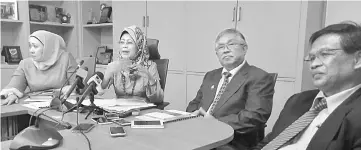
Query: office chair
(162, 65)
(256, 134)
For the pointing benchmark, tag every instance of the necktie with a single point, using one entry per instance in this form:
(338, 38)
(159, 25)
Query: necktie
(220, 92)
(296, 127)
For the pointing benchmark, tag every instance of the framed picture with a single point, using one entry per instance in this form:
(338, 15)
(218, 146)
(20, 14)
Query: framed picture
(12, 54)
(9, 9)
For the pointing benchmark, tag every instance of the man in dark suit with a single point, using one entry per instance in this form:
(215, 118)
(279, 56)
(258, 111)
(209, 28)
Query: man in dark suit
(328, 118)
(246, 102)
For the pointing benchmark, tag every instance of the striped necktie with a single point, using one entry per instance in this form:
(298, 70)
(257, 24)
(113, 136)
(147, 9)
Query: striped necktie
(296, 127)
(220, 92)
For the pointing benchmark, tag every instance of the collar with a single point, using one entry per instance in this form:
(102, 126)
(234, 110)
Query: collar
(234, 70)
(335, 100)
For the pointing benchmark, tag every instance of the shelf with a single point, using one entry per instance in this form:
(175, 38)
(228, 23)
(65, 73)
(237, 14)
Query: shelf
(7, 66)
(102, 25)
(10, 21)
(54, 24)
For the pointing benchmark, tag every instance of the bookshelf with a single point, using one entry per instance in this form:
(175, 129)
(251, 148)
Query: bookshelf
(94, 35)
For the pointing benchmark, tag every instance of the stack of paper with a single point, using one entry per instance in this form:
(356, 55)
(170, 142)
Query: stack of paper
(165, 115)
(38, 105)
(116, 104)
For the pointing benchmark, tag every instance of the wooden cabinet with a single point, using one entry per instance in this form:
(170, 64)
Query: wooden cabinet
(94, 35)
(271, 30)
(204, 20)
(338, 11)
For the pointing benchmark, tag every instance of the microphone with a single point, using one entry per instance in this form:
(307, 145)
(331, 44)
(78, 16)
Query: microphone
(39, 137)
(81, 74)
(62, 123)
(93, 82)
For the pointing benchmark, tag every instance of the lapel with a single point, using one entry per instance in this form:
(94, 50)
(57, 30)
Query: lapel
(233, 85)
(215, 77)
(331, 125)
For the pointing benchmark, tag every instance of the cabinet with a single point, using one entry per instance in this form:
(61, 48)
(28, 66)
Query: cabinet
(16, 32)
(94, 35)
(338, 11)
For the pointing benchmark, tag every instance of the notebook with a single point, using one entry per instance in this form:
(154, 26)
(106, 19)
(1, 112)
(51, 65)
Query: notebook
(168, 116)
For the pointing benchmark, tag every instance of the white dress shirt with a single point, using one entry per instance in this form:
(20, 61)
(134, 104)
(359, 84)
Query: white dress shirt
(233, 72)
(302, 140)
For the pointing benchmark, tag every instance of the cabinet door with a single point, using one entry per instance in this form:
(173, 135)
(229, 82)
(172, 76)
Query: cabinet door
(338, 11)
(204, 20)
(271, 31)
(125, 14)
(167, 24)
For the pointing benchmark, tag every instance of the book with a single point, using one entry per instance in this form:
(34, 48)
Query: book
(168, 116)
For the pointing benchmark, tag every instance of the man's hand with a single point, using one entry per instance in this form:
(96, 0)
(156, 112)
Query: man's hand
(202, 112)
(10, 100)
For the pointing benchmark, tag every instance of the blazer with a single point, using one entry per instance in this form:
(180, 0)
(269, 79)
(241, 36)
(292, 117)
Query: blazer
(340, 131)
(246, 103)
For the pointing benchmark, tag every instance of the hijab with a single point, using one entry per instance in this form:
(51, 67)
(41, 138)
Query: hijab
(54, 46)
(140, 42)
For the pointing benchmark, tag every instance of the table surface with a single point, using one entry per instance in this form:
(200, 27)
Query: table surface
(196, 133)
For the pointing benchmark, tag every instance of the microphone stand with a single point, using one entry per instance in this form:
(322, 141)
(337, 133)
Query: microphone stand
(92, 107)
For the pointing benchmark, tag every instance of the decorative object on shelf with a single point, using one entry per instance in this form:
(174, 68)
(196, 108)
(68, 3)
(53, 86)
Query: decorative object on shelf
(9, 9)
(90, 16)
(60, 13)
(37, 13)
(104, 55)
(105, 13)
(12, 54)
(65, 18)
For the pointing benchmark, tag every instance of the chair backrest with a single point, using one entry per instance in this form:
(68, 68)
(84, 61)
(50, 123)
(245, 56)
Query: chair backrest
(274, 75)
(152, 45)
(162, 66)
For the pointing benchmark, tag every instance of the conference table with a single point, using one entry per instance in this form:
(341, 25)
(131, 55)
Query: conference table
(196, 133)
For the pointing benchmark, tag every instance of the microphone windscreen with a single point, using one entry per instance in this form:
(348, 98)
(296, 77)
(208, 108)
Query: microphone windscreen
(81, 62)
(82, 73)
(100, 75)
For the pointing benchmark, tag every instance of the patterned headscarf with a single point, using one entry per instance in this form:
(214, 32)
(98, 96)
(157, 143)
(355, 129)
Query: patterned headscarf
(141, 44)
(54, 46)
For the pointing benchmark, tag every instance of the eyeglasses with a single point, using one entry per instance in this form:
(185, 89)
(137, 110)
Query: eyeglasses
(124, 42)
(229, 46)
(321, 55)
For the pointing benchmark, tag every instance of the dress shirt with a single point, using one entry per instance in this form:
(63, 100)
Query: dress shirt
(302, 140)
(233, 72)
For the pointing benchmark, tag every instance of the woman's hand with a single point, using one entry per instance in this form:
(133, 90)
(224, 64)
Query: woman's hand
(12, 98)
(140, 71)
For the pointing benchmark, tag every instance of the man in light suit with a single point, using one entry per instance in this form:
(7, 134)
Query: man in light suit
(335, 64)
(242, 98)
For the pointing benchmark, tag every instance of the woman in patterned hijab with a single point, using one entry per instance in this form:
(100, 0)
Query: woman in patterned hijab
(133, 74)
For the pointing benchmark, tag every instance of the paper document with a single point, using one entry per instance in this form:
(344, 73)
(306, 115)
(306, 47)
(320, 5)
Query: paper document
(37, 100)
(116, 104)
(37, 105)
(168, 115)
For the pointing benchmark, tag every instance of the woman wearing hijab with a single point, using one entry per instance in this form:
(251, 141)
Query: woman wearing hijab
(48, 67)
(133, 74)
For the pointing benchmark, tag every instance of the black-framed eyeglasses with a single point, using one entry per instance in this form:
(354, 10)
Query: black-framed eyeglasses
(231, 45)
(321, 55)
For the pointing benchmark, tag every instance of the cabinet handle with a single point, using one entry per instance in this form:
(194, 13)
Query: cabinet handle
(144, 21)
(147, 21)
(239, 13)
(234, 12)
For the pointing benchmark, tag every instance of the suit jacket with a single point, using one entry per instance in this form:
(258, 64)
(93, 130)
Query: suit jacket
(246, 103)
(340, 131)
